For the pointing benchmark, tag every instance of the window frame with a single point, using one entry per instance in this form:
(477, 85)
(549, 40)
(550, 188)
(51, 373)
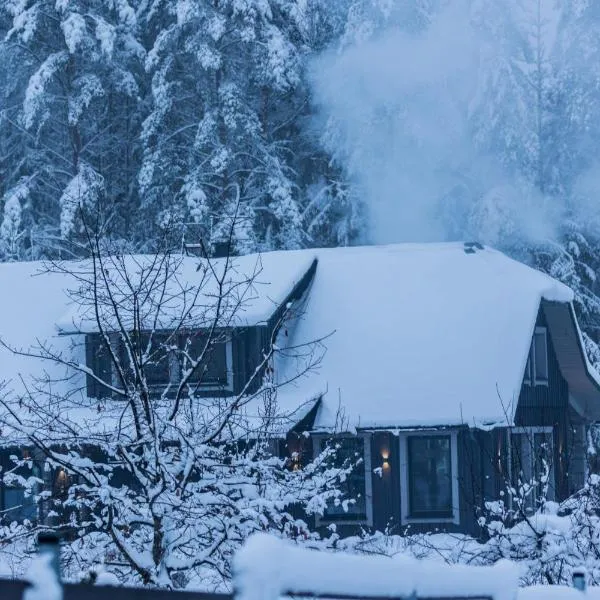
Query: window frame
(28, 508)
(405, 511)
(530, 431)
(531, 377)
(368, 520)
(175, 368)
(170, 358)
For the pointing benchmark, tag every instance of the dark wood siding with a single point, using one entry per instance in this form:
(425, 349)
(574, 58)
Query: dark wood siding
(385, 481)
(478, 481)
(535, 400)
(252, 343)
(576, 452)
(571, 358)
(483, 474)
(238, 358)
(471, 478)
(549, 406)
(483, 457)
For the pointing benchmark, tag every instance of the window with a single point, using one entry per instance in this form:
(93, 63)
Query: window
(158, 366)
(355, 505)
(214, 369)
(428, 478)
(531, 463)
(536, 370)
(17, 504)
(166, 355)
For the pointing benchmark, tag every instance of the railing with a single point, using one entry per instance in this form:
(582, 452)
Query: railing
(14, 590)
(323, 576)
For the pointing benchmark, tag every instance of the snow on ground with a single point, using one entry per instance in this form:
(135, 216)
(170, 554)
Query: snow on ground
(430, 560)
(43, 582)
(262, 573)
(422, 334)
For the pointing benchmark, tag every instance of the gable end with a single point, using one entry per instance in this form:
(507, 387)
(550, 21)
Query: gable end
(570, 354)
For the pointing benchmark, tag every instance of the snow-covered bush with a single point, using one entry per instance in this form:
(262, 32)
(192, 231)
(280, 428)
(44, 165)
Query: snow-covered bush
(553, 541)
(548, 544)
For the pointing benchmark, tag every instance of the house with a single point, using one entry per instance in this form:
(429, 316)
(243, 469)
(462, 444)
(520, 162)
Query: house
(458, 371)
(451, 371)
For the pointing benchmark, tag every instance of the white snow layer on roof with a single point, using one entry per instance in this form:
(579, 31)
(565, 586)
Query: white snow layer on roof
(249, 289)
(31, 300)
(422, 335)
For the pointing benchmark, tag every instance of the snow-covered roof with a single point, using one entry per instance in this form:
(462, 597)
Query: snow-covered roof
(36, 305)
(422, 335)
(31, 301)
(250, 289)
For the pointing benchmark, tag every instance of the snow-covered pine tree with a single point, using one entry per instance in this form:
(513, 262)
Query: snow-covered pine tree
(71, 109)
(511, 109)
(171, 107)
(11, 226)
(229, 94)
(535, 109)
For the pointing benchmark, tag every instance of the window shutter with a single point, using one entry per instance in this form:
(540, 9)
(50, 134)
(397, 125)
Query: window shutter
(541, 355)
(98, 360)
(103, 368)
(91, 346)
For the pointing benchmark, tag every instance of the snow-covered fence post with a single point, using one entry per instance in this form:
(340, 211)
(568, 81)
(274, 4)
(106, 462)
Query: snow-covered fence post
(43, 577)
(49, 545)
(579, 579)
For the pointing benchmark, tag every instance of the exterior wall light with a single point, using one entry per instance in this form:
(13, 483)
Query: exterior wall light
(385, 457)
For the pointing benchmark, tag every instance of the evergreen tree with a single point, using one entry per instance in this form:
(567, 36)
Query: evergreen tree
(229, 94)
(71, 111)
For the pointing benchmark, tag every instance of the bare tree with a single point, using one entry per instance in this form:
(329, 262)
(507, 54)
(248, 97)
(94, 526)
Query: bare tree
(153, 460)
